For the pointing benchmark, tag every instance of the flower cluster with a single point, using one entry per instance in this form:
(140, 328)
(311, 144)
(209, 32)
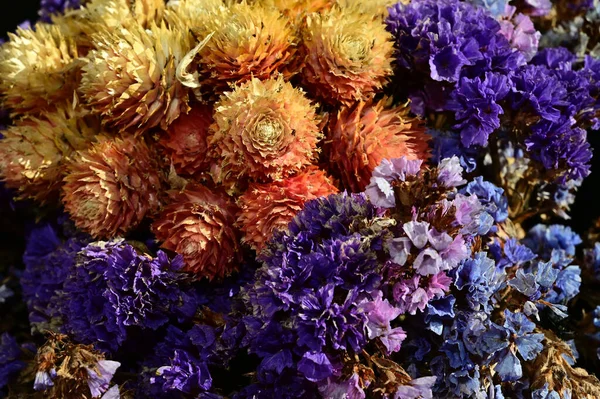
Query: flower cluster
(299, 199)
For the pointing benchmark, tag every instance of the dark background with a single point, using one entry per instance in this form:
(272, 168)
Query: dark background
(16, 11)
(585, 211)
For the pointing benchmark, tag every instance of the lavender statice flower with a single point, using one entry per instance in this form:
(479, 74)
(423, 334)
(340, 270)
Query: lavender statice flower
(113, 287)
(380, 190)
(519, 31)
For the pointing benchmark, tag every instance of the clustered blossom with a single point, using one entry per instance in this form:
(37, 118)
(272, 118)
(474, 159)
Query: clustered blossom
(299, 199)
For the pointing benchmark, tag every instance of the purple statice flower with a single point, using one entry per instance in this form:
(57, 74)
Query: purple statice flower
(310, 299)
(490, 196)
(475, 103)
(49, 258)
(51, 7)
(113, 287)
(10, 364)
(554, 97)
(520, 32)
(447, 144)
(515, 335)
(444, 41)
(380, 190)
(185, 374)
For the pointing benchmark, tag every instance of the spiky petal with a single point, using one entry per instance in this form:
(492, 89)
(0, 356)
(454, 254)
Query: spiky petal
(34, 152)
(264, 130)
(247, 41)
(185, 141)
(38, 68)
(130, 77)
(267, 207)
(297, 9)
(112, 186)
(361, 136)
(348, 55)
(198, 224)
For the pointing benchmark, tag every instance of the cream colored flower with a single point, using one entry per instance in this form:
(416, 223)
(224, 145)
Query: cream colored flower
(130, 76)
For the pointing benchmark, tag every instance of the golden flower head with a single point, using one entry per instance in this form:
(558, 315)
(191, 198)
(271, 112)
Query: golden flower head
(267, 207)
(110, 187)
(198, 224)
(264, 130)
(185, 141)
(347, 55)
(297, 9)
(374, 8)
(361, 136)
(247, 41)
(99, 15)
(33, 153)
(37, 68)
(130, 77)
(193, 13)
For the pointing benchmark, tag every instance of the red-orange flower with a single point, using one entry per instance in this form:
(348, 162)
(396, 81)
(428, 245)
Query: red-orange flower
(185, 141)
(347, 55)
(361, 136)
(267, 207)
(112, 186)
(198, 224)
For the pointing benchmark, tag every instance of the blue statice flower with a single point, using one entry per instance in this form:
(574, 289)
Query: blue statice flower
(491, 196)
(480, 278)
(543, 239)
(514, 336)
(10, 363)
(112, 287)
(447, 144)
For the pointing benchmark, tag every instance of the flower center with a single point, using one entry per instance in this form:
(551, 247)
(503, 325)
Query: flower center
(267, 132)
(354, 48)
